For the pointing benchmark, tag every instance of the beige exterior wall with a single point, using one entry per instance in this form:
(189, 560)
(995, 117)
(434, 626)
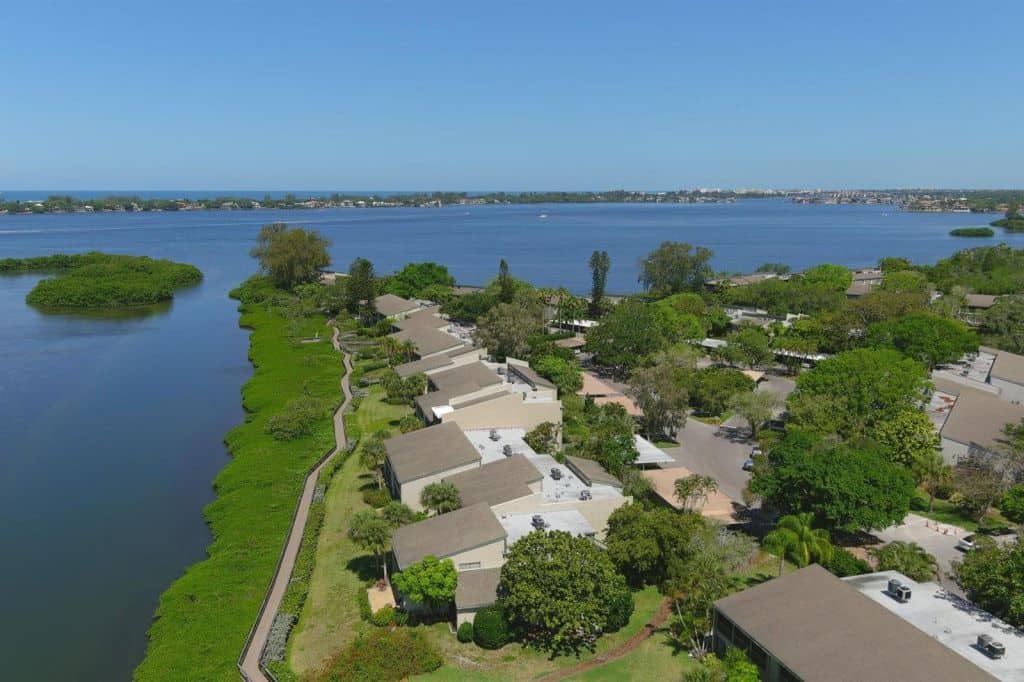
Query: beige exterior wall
(596, 512)
(410, 490)
(952, 450)
(505, 412)
(489, 556)
(1009, 391)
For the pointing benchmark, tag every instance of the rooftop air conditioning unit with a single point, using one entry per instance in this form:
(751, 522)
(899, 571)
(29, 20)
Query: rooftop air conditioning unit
(506, 450)
(990, 647)
(556, 473)
(899, 591)
(494, 435)
(585, 495)
(538, 522)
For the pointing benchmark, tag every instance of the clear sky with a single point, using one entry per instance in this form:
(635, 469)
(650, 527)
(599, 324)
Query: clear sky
(510, 95)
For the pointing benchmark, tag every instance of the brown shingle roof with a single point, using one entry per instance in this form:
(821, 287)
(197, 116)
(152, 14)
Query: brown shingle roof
(425, 365)
(474, 374)
(446, 534)
(1008, 367)
(978, 417)
(477, 589)
(981, 300)
(426, 317)
(389, 304)
(497, 482)
(428, 340)
(432, 450)
(530, 375)
(823, 629)
(591, 472)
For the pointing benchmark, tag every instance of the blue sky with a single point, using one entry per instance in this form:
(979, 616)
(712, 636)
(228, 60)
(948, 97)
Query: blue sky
(512, 95)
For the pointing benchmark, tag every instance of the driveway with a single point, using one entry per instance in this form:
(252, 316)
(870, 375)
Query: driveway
(938, 539)
(702, 452)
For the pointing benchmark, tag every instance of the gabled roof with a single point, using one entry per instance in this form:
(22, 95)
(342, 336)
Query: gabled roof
(978, 418)
(529, 375)
(424, 365)
(428, 451)
(1008, 367)
(477, 589)
(428, 340)
(981, 300)
(447, 534)
(497, 482)
(389, 304)
(821, 628)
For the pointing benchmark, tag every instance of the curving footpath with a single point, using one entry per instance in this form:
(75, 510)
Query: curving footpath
(249, 661)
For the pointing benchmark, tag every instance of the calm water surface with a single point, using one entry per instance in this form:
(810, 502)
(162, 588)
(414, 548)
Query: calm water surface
(111, 427)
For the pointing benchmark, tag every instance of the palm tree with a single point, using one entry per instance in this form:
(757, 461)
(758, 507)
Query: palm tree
(372, 533)
(694, 489)
(441, 496)
(794, 537)
(391, 347)
(909, 558)
(407, 349)
(374, 453)
(932, 471)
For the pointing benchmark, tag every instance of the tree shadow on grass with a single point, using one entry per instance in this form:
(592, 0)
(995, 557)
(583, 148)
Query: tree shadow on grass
(365, 567)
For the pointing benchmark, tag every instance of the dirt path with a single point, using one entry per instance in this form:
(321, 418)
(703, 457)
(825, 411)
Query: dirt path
(249, 663)
(618, 652)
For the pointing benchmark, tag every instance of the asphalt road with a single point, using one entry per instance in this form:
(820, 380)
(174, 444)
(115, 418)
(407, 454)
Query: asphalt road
(702, 452)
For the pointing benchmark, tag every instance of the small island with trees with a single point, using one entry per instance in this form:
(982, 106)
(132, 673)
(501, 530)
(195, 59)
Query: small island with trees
(102, 280)
(972, 232)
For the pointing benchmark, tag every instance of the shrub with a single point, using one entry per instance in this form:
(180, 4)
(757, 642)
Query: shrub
(1012, 504)
(490, 629)
(400, 618)
(384, 656)
(384, 616)
(296, 419)
(465, 632)
(844, 563)
(409, 422)
(363, 599)
(377, 497)
(619, 611)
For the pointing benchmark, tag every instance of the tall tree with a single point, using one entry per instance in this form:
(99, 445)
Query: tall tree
(932, 471)
(928, 338)
(562, 591)
(600, 263)
(372, 533)
(674, 267)
(506, 328)
(748, 346)
(993, 578)
(756, 407)
(506, 285)
(630, 332)
(291, 256)
(662, 398)
(373, 454)
(645, 543)
(360, 290)
(834, 276)
(908, 437)
(694, 490)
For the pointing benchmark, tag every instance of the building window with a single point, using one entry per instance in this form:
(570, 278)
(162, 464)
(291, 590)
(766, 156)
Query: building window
(469, 565)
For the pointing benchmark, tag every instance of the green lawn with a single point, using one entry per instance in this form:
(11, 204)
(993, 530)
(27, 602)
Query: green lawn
(515, 662)
(944, 512)
(655, 659)
(330, 617)
(204, 617)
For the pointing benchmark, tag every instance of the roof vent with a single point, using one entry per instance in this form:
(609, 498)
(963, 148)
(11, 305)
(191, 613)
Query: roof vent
(990, 647)
(899, 591)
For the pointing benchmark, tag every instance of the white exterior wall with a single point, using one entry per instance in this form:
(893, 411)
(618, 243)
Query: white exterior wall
(1008, 390)
(410, 490)
(509, 411)
(952, 450)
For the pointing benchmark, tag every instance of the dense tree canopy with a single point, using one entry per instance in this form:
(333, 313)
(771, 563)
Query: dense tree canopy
(909, 437)
(646, 544)
(429, 581)
(984, 270)
(660, 392)
(851, 392)
(608, 438)
(291, 256)
(844, 487)
(600, 263)
(416, 279)
(748, 345)
(561, 591)
(993, 578)
(712, 387)
(1003, 324)
(506, 328)
(630, 332)
(835, 277)
(361, 290)
(930, 339)
(674, 267)
(563, 372)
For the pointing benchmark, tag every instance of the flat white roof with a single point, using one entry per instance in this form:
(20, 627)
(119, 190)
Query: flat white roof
(953, 621)
(650, 453)
(571, 521)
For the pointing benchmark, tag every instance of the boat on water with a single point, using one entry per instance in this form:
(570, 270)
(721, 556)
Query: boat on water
(543, 215)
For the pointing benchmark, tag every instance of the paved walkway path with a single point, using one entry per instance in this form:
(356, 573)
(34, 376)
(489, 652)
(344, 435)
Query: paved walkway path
(618, 652)
(250, 663)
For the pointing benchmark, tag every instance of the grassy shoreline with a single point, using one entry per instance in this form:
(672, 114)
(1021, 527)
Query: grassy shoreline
(204, 617)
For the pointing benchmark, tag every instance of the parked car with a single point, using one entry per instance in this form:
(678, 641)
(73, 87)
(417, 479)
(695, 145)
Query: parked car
(967, 543)
(748, 464)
